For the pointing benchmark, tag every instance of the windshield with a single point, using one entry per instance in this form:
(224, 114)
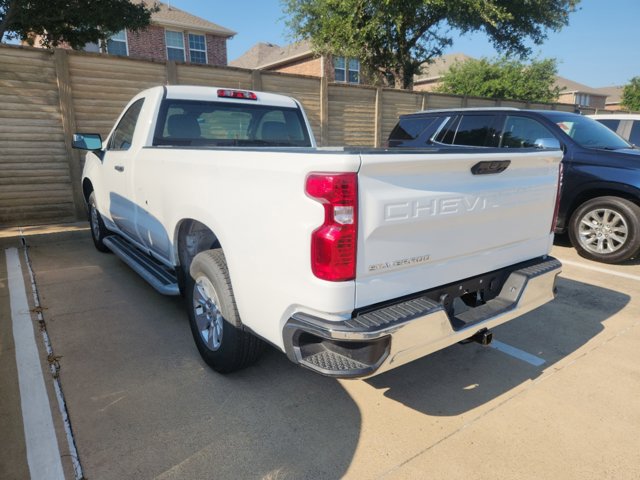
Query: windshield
(588, 133)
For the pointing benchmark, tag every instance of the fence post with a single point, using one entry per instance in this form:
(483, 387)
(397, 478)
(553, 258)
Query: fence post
(378, 120)
(172, 72)
(324, 111)
(256, 80)
(61, 61)
(424, 101)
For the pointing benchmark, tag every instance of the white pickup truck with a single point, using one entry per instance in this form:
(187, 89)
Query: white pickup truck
(352, 261)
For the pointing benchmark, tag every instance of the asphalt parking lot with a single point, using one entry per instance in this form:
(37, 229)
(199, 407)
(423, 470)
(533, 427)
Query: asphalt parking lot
(555, 397)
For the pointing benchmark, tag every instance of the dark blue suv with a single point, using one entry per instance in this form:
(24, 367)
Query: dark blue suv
(600, 202)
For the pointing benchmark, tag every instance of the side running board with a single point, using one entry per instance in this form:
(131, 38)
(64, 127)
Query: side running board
(155, 273)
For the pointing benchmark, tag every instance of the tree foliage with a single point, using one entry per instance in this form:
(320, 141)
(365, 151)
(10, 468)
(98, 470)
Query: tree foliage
(393, 38)
(503, 78)
(75, 22)
(631, 95)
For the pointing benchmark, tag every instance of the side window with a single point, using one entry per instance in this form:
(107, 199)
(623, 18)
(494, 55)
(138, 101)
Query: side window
(471, 130)
(523, 132)
(634, 137)
(448, 132)
(610, 123)
(123, 134)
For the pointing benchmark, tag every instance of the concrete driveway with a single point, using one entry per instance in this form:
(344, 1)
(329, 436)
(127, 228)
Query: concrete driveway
(557, 396)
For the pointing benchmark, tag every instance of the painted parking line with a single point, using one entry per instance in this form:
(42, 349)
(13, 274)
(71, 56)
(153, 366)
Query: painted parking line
(601, 270)
(43, 455)
(517, 353)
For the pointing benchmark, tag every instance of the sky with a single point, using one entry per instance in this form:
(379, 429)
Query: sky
(598, 48)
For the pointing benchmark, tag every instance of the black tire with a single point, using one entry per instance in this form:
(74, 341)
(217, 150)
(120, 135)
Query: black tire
(221, 339)
(606, 229)
(98, 230)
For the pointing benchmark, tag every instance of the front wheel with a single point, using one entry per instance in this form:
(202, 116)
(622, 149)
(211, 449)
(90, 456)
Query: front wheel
(98, 229)
(221, 339)
(606, 229)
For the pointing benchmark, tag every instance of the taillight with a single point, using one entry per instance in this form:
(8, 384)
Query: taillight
(558, 194)
(239, 94)
(334, 243)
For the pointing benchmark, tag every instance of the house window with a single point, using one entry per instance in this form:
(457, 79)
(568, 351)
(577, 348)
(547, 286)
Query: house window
(175, 45)
(354, 70)
(117, 44)
(197, 48)
(583, 99)
(347, 70)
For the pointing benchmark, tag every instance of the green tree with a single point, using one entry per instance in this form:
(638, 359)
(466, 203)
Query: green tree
(75, 22)
(631, 95)
(503, 78)
(393, 38)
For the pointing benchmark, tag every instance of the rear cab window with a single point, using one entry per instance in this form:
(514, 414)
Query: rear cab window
(204, 123)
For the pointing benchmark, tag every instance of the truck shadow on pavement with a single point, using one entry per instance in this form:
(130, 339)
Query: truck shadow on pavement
(562, 240)
(144, 405)
(462, 377)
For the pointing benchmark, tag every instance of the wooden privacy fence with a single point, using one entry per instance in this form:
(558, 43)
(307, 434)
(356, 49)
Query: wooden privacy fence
(46, 96)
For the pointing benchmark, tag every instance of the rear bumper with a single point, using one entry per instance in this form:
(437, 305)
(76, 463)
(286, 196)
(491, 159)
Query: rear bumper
(385, 337)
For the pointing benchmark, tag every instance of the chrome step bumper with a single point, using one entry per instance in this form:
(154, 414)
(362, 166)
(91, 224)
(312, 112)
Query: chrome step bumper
(384, 338)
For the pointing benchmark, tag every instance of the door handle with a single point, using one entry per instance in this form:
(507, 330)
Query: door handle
(119, 168)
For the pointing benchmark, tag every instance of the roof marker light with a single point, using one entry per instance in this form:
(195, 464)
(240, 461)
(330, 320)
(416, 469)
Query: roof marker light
(239, 94)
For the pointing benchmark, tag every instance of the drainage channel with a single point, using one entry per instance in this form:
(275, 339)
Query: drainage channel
(54, 367)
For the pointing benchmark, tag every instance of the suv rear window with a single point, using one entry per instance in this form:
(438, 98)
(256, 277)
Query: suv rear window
(470, 130)
(409, 128)
(197, 123)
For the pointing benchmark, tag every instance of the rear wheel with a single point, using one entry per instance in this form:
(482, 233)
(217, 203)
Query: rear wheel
(98, 230)
(221, 339)
(606, 229)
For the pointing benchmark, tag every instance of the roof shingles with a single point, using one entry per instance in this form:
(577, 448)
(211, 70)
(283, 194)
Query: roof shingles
(263, 55)
(171, 16)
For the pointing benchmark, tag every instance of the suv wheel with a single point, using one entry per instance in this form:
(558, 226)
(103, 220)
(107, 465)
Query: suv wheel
(606, 229)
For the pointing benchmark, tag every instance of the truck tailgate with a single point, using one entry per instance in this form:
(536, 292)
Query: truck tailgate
(426, 220)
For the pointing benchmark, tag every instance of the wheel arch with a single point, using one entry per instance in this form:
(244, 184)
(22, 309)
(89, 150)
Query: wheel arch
(87, 188)
(190, 238)
(602, 190)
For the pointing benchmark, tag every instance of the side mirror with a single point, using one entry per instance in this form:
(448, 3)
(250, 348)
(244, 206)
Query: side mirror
(547, 143)
(87, 141)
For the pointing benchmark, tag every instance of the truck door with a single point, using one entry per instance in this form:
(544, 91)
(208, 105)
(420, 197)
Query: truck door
(118, 173)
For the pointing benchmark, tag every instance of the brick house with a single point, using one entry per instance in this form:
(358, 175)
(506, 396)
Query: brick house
(614, 97)
(431, 75)
(299, 58)
(580, 95)
(173, 35)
